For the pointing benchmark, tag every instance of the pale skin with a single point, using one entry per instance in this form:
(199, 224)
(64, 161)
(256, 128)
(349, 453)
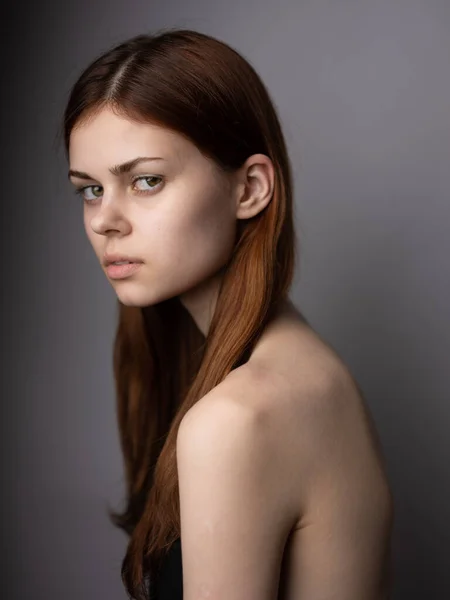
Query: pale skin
(283, 493)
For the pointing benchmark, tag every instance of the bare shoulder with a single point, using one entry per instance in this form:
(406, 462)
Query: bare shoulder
(287, 446)
(336, 464)
(300, 395)
(323, 418)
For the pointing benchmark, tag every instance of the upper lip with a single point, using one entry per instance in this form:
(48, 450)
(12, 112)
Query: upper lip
(110, 258)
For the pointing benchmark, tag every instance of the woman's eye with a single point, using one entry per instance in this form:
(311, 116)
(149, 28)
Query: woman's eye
(82, 192)
(146, 179)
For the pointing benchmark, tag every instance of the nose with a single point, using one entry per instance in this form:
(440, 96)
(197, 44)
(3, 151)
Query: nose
(109, 217)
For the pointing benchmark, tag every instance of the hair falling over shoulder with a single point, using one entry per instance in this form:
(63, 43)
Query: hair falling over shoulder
(200, 87)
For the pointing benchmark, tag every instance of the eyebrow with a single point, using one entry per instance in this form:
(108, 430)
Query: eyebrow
(117, 169)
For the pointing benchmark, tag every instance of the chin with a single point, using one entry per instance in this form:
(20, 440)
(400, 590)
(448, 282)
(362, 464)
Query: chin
(140, 300)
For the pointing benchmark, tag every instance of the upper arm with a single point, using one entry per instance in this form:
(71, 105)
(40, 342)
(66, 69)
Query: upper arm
(233, 522)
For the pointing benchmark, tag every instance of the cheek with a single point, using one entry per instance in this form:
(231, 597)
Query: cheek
(198, 240)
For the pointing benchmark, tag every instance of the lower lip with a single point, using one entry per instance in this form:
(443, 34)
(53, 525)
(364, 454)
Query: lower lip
(121, 271)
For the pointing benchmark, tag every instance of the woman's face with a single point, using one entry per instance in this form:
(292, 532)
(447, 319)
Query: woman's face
(176, 214)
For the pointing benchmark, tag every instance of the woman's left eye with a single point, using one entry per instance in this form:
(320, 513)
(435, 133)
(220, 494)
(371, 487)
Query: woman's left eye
(146, 179)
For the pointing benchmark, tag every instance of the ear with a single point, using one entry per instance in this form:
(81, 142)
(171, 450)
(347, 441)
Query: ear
(256, 185)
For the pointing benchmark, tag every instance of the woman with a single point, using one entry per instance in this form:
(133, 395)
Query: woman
(253, 471)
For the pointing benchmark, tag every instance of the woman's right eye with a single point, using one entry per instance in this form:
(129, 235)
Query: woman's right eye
(81, 192)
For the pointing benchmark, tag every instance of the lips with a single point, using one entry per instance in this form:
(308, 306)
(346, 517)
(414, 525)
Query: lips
(122, 271)
(113, 258)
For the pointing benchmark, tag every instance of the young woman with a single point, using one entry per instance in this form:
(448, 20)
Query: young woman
(252, 467)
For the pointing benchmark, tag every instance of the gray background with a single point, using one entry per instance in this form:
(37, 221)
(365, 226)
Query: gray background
(363, 92)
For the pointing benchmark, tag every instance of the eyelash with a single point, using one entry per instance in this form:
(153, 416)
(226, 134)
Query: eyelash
(79, 191)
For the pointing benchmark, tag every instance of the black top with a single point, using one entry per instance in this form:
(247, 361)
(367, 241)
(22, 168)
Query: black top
(169, 585)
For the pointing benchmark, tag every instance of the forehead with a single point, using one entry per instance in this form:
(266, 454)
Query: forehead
(113, 138)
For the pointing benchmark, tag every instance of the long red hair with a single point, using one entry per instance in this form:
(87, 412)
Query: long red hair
(201, 88)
